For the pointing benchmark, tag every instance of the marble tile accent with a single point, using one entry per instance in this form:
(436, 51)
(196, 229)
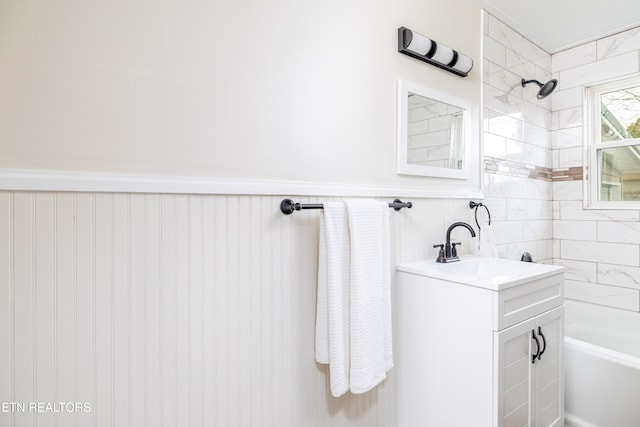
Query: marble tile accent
(619, 275)
(570, 157)
(517, 209)
(567, 190)
(504, 34)
(538, 134)
(496, 165)
(497, 207)
(507, 231)
(503, 125)
(574, 57)
(612, 296)
(579, 270)
(611, 253)
(619, 232)
(568, 174)
(569, 98)
(495, 99)
(608, 68)
(539, 190)
(574, 230)
(619, 43)
(537, 230)
(536, 55)
(571, 210)
(570, 118)
(494, 51)
(566, 138)
(505, 80)
(494, 145)
(540, 250)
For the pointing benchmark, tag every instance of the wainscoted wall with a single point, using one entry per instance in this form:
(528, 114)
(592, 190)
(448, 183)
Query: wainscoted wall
(600, 248)
(177, 310)
(517, 146)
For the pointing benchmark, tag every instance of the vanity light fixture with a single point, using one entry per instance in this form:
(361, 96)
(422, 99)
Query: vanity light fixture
(427, 50)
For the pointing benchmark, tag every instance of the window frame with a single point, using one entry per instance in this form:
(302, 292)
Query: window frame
(593, 145)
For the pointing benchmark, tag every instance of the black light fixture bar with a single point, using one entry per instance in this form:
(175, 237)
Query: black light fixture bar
(427, 50)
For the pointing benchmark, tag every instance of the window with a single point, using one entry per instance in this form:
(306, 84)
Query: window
(613, 144)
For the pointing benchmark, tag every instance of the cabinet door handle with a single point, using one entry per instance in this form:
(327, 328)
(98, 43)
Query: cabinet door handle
(533, 356)
(544, 342)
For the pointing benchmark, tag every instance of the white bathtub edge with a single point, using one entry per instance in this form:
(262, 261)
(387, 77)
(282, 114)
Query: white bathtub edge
(573, 421)
(595, 350)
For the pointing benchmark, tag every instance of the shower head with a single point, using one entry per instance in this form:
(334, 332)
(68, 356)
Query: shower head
(545, 89)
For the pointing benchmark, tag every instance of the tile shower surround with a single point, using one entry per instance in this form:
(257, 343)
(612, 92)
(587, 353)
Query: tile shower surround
(533, 161)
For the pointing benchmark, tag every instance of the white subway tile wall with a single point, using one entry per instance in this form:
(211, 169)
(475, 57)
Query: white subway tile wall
(599, 248)
(517, 143)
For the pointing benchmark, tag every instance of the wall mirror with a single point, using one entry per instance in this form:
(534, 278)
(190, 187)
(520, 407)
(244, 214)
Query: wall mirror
(433, 132)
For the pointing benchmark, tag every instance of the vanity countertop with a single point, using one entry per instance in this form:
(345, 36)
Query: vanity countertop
(490, 273)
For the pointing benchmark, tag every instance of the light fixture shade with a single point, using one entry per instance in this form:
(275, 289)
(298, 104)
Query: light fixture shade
(419, 43)
(428, 50)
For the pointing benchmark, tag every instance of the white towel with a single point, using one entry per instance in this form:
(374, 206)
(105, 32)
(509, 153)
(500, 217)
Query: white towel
(487, 242)
(353, 317)
(332, 314)
(370, 307)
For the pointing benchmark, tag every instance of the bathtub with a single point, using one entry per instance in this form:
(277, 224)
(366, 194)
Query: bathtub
(602, 366)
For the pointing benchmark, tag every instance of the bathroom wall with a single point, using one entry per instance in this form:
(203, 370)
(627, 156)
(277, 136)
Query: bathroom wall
(197, 309)
(176, 310)
(517, 149)
(600, 248)
(283, 91)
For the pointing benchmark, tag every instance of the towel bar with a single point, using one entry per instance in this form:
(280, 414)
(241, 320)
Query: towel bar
(287, 206)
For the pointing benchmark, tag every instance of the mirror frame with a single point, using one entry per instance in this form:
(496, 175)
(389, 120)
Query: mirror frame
(404, 167)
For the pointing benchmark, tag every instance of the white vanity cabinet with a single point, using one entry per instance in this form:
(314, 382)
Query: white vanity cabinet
(479, 343)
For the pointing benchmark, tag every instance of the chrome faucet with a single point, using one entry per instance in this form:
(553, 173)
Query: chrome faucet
(449, 252)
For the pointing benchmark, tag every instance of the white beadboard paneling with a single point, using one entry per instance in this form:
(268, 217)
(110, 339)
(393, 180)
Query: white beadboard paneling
(45, 292)
(6, 302)
(138, 307)
(102, 407)
(178, 310)
(121, 350)
(84, 304)
(153, 304)
(24, 345)
(65, 309)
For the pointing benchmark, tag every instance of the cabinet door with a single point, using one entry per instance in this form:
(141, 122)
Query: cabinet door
(549, 381)
(513, 374)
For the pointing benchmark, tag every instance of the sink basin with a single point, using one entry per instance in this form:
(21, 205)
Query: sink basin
(484, 272)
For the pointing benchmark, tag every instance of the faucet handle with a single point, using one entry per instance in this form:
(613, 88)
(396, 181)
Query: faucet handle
(441, 257)
(454, 252)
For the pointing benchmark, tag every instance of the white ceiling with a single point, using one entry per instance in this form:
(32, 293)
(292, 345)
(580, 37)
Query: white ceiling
(555, 25)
